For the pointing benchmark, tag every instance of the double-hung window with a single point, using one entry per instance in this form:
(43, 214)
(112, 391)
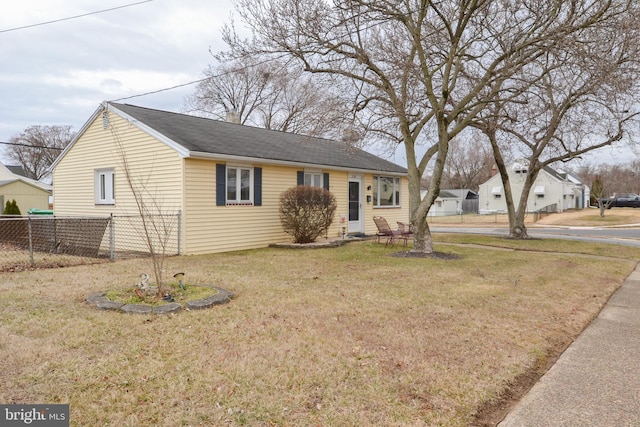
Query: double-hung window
(239, 187)
(105, 187)
(386, 191)
(313, 179)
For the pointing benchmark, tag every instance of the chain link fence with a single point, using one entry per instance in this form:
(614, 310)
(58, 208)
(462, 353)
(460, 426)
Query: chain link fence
(495, 217)
(50, 241)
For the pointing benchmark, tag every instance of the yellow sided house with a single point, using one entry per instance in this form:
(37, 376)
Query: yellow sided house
(224, 178)
(28, 193)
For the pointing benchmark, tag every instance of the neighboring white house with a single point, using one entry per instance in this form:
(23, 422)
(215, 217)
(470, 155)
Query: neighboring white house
(585, 197)
(453, 202)
(553, 191)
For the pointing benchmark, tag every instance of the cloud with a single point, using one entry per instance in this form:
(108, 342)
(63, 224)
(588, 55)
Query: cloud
(114, 83)
(59, 73)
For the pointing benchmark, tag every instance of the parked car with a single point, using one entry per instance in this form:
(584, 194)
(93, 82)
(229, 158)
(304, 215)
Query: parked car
(625, 200)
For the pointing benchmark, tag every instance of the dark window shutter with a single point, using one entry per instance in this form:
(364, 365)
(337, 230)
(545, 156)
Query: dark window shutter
(257, 186)
(325, 181)
(221, 185)
(300, 177)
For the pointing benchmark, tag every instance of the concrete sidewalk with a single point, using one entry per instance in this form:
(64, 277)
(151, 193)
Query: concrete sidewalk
(596, 381)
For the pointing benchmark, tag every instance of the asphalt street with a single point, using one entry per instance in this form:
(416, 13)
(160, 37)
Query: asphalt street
(628, 236)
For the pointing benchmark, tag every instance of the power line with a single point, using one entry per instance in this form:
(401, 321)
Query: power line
(162, 90)
(215, 76)
(31, 146)
(74, 17)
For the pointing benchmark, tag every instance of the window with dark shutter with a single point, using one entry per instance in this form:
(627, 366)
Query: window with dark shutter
(238, 185)
(221, 185)
(257, 186)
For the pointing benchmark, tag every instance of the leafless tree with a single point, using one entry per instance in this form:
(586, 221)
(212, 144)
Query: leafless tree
(230, 89)
(157, 226)
(599, 191)
(621, 178)
(270, 94)
(419, 71)
(468, 163)
(614, 178)
(36, 148)
(576, 97)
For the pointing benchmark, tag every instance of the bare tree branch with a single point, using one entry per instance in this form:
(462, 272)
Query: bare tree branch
(37, 147)
(426, 70)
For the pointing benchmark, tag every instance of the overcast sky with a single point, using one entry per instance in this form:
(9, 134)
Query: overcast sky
(59, 73)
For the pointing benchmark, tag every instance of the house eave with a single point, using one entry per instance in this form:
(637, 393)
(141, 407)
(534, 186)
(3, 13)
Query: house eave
(42, 187)
(182, 151)
(82, 130)
(243, 159)
(106, 106)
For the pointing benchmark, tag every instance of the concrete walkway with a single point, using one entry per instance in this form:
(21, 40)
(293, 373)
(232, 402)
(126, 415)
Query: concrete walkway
(596, 381)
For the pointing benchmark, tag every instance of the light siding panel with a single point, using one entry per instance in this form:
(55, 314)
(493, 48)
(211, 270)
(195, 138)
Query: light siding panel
(339, 187)
(26, 196)
(156, 171)
(212, 228)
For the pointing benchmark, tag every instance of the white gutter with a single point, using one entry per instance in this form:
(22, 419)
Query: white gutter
(244, 159)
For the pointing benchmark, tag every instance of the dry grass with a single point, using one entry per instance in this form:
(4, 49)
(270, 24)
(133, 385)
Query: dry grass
(539, 245)
(589, 217)
(13, 259)
(496, 219)
(344, 336)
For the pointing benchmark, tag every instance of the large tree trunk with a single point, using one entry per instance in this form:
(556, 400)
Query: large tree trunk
(422, 240)
(517, 228)
(419, 208)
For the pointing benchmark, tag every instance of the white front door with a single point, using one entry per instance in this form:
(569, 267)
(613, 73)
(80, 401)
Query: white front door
(356, 225)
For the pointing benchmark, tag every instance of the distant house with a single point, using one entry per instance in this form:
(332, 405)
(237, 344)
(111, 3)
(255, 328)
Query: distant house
(453, 202)
(27, 193)
(553, 191)
(16, 170)
(225, 178)
(582, 192)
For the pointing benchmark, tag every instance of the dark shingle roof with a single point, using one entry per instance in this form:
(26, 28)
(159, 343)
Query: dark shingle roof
(558, 175)
(444, 194)
(18, 170)
(202, 135)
